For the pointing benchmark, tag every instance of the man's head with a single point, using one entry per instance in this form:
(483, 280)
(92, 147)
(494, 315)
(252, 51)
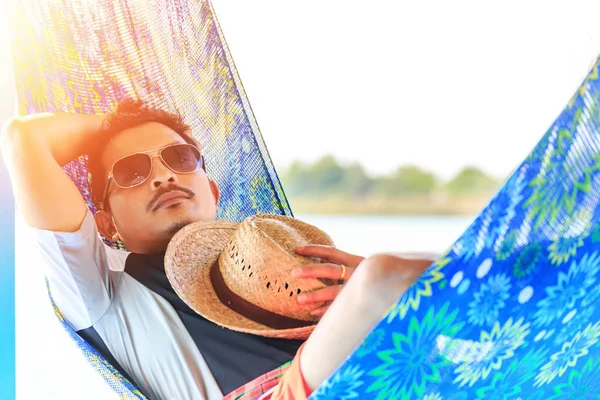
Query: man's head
(152, 195)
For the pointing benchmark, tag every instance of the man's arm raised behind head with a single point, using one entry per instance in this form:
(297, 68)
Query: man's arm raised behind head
(35, 148)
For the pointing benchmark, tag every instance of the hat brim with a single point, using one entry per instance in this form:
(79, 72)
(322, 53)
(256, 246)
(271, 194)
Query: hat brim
(191, 254)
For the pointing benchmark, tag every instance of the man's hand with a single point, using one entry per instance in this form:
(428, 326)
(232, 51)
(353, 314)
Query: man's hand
(339, 265)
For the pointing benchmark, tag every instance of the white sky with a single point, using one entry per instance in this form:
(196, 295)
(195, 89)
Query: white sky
(435, 83)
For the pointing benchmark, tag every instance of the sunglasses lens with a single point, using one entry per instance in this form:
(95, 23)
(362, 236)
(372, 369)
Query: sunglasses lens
(132, 170)
(181, 158)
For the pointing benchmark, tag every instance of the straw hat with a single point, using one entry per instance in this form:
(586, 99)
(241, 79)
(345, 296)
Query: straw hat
(238, 275)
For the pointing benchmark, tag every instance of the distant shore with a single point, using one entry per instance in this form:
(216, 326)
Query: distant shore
(466, 206)
(327, 186)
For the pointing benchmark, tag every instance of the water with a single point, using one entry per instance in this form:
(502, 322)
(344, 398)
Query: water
(49, 366)
(366, 235)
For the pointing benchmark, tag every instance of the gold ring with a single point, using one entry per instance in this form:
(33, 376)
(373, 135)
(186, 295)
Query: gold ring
(343, 271)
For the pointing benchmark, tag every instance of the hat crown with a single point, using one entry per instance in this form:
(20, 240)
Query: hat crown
(257, 263)
(238, 275)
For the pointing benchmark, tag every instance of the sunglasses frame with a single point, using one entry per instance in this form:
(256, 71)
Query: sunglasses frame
(110, 178)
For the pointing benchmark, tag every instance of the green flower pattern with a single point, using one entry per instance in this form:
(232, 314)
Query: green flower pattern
(414, 359)
(423, 287)
(346, 383)
(371, 343)
(527, 261)
(508, 384)
(583, 384)
(570, 237)
(489, 300)
(568, 355)
(507, 246)
(493, 348)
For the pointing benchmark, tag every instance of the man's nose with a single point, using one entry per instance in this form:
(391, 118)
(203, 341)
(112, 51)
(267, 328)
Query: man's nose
(161, 174)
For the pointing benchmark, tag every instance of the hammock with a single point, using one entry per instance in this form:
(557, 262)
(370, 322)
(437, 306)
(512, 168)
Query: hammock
(84, 56)
(508, 312)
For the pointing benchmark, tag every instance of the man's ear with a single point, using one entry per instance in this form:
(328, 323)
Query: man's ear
(105, 225)
(215, 190)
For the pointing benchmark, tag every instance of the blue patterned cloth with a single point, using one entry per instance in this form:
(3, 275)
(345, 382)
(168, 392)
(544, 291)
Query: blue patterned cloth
(512, 310)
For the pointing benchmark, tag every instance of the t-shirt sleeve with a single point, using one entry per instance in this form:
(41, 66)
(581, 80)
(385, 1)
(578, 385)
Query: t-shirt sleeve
(83, 272)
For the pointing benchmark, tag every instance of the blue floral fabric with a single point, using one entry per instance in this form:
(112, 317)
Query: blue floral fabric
(512, 310)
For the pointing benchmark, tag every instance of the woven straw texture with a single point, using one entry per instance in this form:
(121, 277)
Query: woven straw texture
(255, 259)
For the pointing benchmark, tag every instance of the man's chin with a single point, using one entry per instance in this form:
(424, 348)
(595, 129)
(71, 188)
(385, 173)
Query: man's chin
(176, 225)
(178, 215)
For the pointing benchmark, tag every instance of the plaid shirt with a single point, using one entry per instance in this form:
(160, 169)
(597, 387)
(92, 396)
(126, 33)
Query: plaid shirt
(259, 386)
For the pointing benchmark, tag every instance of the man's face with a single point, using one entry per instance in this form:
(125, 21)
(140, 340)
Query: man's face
(148, 215)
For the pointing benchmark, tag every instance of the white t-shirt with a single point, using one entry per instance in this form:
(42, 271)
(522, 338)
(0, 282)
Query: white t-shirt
(140, 328)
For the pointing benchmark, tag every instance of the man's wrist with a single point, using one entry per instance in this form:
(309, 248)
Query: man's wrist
(419, 256)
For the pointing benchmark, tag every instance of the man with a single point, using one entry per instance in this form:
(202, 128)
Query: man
(148, 180)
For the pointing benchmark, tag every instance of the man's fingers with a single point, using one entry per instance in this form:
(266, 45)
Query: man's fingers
(321, 295)
(330, 271)
(319, 312)
(330, 254)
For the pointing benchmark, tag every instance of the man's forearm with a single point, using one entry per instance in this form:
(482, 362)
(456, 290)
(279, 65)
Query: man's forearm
(418, 256)
(34, 149)
(66, 136)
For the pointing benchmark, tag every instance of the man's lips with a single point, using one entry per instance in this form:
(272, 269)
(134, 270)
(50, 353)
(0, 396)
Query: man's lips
(170, 198)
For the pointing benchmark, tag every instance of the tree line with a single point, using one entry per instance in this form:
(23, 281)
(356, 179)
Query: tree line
(330, 178)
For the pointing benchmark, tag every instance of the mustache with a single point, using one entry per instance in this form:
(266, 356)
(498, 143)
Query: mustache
(162, 191)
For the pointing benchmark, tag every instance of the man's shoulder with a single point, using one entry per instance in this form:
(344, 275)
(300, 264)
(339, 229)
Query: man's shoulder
(82, 245)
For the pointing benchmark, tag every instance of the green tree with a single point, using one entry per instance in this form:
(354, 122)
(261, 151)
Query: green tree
(323, 177)
(471, 180)
(327, 176)
(356, 183)
(295, 179)
(408, 180)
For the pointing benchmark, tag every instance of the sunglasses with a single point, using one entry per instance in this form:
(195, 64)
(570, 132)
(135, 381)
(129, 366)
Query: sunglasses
(135, 169)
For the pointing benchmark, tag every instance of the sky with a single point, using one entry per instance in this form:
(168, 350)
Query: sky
(438, 84)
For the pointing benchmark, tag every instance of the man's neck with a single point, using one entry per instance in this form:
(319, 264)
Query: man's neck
(148, 248)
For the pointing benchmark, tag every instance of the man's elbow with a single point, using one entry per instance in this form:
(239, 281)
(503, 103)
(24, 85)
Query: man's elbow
(12, 137)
